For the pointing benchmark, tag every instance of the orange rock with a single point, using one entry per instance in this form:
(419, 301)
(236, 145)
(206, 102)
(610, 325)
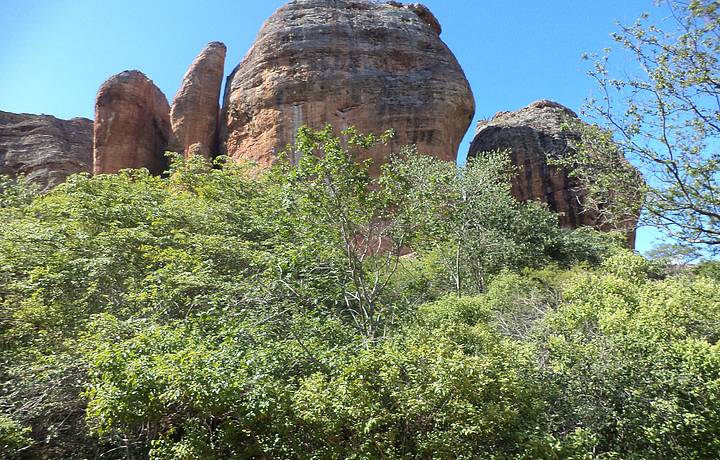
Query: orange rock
(375, 66)
(195, 108)
(132, 125)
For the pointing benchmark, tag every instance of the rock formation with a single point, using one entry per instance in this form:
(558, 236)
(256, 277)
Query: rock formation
(194, 112)
(132, 124)
(530, 134)
(375, 66)
(43, 148)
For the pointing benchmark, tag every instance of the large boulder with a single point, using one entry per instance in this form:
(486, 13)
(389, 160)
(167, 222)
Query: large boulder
(532, 134)
(194, 111)
(375, 66)
(43, 148)
(132, 125)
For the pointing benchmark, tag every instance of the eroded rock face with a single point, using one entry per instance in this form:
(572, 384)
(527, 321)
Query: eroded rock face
(43, 148)
(531, 134)
(194, 111)
(348, 63)
(132, 125)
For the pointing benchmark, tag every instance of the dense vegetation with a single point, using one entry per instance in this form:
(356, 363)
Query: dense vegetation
(220, 313)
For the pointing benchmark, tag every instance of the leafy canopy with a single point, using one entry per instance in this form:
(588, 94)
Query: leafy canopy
(317, 311)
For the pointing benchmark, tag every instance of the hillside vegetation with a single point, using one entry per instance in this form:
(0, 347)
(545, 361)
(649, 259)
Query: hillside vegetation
(313, 311)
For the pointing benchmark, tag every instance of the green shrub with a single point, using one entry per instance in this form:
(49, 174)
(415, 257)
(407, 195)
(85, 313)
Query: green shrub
(13, 436)
(315, 311)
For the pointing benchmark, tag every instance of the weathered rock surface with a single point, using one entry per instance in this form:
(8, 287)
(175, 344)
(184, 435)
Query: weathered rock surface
(348, 63)
(43, 148)
(195, 108)
(132, 125)
(531, 134)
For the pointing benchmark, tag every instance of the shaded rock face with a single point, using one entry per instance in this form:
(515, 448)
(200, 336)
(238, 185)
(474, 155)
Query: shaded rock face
(132, 125)
(530, 134)
(348, 63)
(195, 108)
(43, 148)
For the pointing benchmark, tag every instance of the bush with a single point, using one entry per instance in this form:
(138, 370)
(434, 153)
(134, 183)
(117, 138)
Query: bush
(316, 311)
(13, 436)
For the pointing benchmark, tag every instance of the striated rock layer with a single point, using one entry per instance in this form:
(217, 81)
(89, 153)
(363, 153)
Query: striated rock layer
(195, 108)
(348, 63)
(43, 148)
(132, 125)
(531, 134)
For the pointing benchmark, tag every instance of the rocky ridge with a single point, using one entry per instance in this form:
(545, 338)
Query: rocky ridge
(315, 62)
(44, 149)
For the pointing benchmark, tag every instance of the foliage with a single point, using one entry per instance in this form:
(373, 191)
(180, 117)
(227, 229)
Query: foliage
(636, 362)
(666, 118)
(317, 311)
(612, 190)
(14, 193)
(709, 269)
(13, 437)
(335, 203)
(470, 218)
(458, 391)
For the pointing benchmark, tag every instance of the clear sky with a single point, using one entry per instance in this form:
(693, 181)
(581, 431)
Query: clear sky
(55, 54)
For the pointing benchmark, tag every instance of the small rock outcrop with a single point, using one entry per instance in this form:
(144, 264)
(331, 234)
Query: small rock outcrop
(132, 125)
(43, 148)
(375, 66)
(531, 134)
(195, 108)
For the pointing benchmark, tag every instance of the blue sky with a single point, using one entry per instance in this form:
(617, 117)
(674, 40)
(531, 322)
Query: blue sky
(54, 54)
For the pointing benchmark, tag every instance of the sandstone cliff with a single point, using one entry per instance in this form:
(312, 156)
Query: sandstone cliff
(132, 124)
(531, 134)
(348, 63)
(195, 108)
(43, 148)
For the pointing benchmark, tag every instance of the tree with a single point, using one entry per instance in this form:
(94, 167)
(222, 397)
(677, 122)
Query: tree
(666, 117)
(339, 207)
(612, 189)
(470, 219)
(220, 313)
